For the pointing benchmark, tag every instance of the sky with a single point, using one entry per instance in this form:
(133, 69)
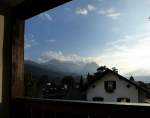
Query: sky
(115, 33)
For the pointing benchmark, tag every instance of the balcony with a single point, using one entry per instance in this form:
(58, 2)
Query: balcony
(15, 14)
(44, 108)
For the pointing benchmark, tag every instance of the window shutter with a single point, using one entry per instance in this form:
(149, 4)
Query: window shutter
(128, 100)
(106, 85)
(98, 99)
(118, 99)
(114, 85)
(110, 86)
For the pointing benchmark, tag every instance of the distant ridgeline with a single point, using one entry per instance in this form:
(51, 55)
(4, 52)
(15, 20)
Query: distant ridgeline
(55, 75)
(60, 80)
(56, 69)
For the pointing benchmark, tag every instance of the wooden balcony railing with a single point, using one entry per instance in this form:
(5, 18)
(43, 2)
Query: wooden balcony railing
(44, 108)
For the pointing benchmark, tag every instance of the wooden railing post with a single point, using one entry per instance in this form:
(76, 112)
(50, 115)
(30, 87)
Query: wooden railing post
(13, 46)
(18, 58)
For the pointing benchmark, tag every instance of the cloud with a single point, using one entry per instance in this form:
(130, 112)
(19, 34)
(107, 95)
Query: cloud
(148, 1)
(33, 42)
(51, 40)
(27, 46)
(100, 0)
(58, 55)
(82, 11)
(91, 7)
(111, 13)
(129, 54)
(85, 11)
(45, 16)
(30, 41)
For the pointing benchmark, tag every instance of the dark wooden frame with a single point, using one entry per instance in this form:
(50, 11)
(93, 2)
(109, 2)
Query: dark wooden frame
(13, 52)
(13, 46)
(44, 108)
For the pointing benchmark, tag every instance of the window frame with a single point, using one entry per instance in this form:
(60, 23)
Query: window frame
(122, 98)
(108, 84)
(13, 23)
(98, 98)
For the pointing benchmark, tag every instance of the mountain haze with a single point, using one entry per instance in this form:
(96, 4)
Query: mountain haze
(56, 69)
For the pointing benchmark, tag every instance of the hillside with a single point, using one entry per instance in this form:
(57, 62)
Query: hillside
(56, 69)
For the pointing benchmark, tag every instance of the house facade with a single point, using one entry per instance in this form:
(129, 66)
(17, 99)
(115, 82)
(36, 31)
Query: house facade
(109, 86)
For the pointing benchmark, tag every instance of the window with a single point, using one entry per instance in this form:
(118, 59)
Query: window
(98, 99)
(128, 85)
(123, 100)
(93, 86)
(90, 36)
(110, 86)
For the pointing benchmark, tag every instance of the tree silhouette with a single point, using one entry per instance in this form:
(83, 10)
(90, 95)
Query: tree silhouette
(114, 69)
(131, 78)
(41, 83)
(88, 77)
(69, 81)
(30, 84)
(81, 84)
(101, 69)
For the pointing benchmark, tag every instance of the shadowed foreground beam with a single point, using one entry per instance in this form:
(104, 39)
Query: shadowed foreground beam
(44, 108)
(30, 8)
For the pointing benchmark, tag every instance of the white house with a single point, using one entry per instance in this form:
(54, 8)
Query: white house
(107, 85)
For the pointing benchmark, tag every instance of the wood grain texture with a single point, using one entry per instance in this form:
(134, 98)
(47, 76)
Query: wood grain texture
(30, 8)
(44, 108)
(18, 58)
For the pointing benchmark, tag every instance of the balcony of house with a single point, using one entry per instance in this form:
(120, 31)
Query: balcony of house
(13, 14)
(46, 108)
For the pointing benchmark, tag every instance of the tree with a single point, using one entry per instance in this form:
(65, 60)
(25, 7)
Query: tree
(69, 81)
(114, 69)
(101, 69)
(131, 78)
(29, 84)
(88, 77)
(41, 83)
(49, 89)
(81, 84)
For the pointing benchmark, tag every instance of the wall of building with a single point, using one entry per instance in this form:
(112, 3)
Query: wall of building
(1, 47)
(142, 96)
(120, 91)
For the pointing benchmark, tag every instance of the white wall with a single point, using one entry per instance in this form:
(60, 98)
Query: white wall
(120, 91)
(1, 47)
(142, 96)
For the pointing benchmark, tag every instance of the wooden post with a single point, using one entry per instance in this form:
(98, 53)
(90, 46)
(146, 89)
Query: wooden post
(18, 58)
(13, 52)
(7, 64)
(13, 61)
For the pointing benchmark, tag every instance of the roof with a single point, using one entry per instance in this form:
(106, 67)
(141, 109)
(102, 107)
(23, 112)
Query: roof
(97, 76)
(25, 9)
(11, 3)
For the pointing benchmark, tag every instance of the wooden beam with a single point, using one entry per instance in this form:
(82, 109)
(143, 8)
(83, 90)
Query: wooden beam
(44, 108)
(7, 64)
(4, 9)
(13, 61)
(18, 58)
(30, 8)
(13, 57)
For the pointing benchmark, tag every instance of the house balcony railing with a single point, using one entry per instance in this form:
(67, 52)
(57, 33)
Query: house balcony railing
(44, 108)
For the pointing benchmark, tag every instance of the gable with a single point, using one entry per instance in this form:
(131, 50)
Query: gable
(111, 77)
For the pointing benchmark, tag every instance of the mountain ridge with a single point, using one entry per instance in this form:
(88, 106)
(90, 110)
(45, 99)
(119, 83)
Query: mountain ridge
(56, 69)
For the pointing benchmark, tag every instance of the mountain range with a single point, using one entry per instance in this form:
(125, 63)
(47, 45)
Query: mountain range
(58, 69)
